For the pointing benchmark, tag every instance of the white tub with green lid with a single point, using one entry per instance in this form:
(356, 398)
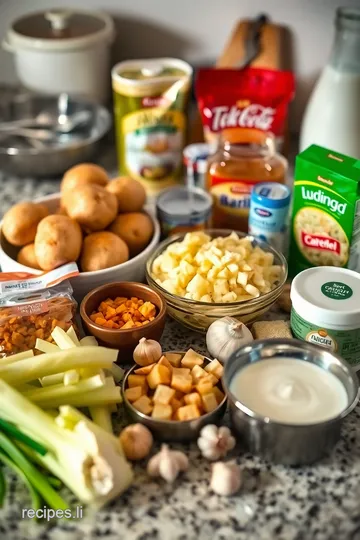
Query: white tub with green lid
(326, 310)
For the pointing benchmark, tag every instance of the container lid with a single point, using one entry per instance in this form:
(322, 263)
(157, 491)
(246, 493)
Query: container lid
(60, 29)
(150, 71)
(271, 194)
(328, 296)
(182, 201)
(195, 156)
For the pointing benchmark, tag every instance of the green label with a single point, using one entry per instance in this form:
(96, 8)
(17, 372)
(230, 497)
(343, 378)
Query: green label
(336, 290)
(346, 343)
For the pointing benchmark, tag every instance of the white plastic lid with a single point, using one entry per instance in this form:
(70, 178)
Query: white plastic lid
(327, 296)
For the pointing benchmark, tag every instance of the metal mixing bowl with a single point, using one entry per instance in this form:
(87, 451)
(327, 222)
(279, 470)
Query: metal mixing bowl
(289, 444)
(19, 156)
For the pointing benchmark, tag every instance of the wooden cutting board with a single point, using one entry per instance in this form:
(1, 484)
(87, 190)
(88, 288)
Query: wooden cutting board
(275, 54)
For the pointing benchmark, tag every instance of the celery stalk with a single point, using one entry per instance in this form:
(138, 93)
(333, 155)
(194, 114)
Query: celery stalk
(72, 334)
(35, 497)
(59, 391)
(2, 488)
(47, 364)
(50, 380)
(62, 339)
(71, 377)
(102, 417)
(117, 373)
(45, 346)
(99, 396)
(88, 341)
(16, 357)
(37, 479)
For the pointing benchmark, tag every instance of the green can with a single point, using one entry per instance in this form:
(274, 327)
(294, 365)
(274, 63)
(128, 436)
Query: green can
(150, 102)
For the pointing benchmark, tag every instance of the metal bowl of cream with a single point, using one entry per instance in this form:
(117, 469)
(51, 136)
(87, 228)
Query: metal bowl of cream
(275, 413)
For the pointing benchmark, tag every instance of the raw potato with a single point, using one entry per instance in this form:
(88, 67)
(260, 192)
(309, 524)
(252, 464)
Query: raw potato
(85, 173)
(136, 229)
(91, 206)
(102, 250)
(130, 194)
(21, 221)
(58, 241)
(26, 256)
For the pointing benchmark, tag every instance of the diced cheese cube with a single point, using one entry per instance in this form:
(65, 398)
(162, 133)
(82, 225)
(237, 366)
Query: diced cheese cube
(158, 375)
(210, 377)
(215, 368)
(188, 412)
(165, 362)
(134, 393)
(191, 359)
(174, 358)
(138, 380)
(209, 402)
(162, 412)
(197, 373)
(204, 386)
(182, 371)
(163, 394)
(218, 394)
(193, 398)
(143, 404)
(182, 383)
(145, 370)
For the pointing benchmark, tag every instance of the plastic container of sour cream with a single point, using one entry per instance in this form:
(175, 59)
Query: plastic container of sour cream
(326, 310)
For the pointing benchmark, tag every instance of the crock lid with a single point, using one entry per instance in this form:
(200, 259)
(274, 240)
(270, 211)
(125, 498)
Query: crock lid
(327, 295)
(60, 29)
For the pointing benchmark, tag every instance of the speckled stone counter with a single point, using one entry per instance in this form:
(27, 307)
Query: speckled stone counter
(321, 502)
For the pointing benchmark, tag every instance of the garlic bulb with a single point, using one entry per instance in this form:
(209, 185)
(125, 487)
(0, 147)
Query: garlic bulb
(167, 464)
(215, 442)
(226, 336)
(226, 478)
(136, 441)
(147, 351)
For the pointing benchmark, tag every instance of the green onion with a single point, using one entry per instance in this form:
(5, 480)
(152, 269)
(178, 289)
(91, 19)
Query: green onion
(35, 497)
(12, 430)
(2, 488)
(37, 479)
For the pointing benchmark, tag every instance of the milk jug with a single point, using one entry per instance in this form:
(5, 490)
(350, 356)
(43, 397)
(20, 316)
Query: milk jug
(332, 116)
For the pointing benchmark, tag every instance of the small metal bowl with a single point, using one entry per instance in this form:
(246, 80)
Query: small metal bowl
(18, 156)
(287, 443)
(173, 430)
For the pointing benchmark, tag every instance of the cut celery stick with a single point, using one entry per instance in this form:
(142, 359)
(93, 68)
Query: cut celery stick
(45, 346)
(88, 341)
(72, 334)
(50, 380)
(61, 339)
(102, 417)
(63, 392)
(99, 396)
(71, 377)
(50, 363)
(15, 357)
(117, 373)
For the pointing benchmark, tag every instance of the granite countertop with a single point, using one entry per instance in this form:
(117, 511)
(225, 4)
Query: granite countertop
(320, 502)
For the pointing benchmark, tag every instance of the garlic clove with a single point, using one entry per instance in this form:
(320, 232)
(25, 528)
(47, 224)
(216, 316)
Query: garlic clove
(167, 464)
(209, 432)
(226, 478)
(146, 352)
(225, 336)
(136, 441)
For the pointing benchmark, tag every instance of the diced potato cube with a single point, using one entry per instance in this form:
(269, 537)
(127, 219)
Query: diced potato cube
(210, 377)
(197, 373)
(218, 394)
(188, 412)
(193, 398)
(134, 393)
(138, 380)
(165, 362)
(163, 394)
(192, 359)
(182, 383)
(144, 370)
(158, 375)
(181, 371)
(204, 387)
(198, 285)
(174, 358)
(221, 287)
(176, 404)
(143, 404)
(215, 368)
(162, 412)
(206, 298)
(209, 402)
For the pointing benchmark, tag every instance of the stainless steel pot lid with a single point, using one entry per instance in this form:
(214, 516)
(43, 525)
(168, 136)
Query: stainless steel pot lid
(60, 29)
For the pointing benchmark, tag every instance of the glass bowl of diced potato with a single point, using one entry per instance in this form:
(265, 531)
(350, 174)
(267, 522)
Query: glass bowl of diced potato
(206, 275)
(177, 396)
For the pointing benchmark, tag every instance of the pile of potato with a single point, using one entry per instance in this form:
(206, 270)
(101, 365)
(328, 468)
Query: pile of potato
(99, 223)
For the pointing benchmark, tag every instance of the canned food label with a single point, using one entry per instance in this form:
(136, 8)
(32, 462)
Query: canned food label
(232, 196)
(346, 343)
(336, 290)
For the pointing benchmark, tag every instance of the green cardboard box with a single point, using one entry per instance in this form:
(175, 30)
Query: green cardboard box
(325, 226)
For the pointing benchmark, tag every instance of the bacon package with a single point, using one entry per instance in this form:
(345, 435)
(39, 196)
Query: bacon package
(249, 98)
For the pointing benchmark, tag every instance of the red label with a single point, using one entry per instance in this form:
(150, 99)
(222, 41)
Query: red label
(323, 243)
(154, 101)
(238, 185)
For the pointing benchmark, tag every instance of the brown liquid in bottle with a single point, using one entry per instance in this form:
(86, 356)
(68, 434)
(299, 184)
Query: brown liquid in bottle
(245, 157)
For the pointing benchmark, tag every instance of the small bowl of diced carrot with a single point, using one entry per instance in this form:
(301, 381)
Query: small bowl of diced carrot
(120, 314)
(176, 396)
